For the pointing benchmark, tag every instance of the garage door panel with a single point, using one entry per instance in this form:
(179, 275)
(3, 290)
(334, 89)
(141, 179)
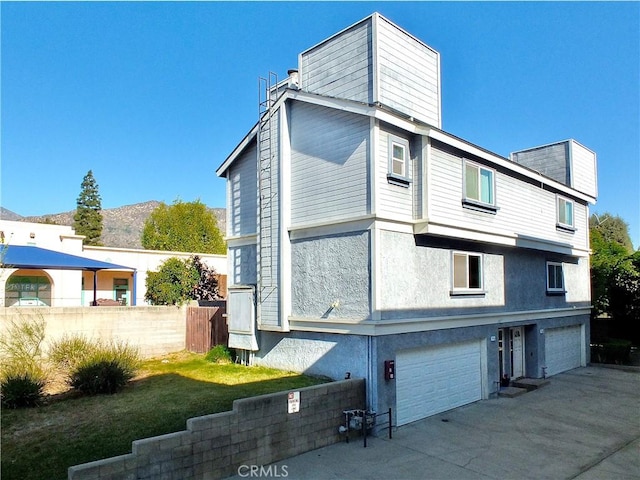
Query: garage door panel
(436, 379)
(563, 349)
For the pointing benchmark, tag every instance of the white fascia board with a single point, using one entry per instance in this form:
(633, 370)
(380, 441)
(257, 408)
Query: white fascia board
(332, 102)
(242, 240)
(508, 164)
(461, 231)
(387, 326)
(332, 227)
(425, 227)
(237, 151)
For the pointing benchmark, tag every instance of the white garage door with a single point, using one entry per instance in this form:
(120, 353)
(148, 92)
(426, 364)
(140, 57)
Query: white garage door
(435, 379)
(563, 349)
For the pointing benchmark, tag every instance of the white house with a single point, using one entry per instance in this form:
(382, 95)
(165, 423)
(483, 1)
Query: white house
(388, 248)
(59, 271)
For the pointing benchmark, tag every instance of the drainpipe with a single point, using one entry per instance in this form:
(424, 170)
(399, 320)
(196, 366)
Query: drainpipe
(370, 375)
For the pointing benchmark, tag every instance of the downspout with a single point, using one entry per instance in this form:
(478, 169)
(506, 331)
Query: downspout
(370, 369)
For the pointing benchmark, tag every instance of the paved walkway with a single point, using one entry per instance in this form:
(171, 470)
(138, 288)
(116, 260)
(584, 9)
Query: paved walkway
(584, 425)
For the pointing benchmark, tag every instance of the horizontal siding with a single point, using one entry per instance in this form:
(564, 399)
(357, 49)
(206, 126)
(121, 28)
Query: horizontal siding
(393, 201)
(341, 66)
(242, 194)
(409, 76)
(524, 209)
(583, 164)
(328, 164)
(551, 161)
(242, 265)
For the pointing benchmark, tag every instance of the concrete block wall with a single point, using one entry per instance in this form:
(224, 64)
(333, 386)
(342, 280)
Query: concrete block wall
(156, 330)
(258, 431)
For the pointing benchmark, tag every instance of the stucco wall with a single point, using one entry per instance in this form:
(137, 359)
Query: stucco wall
(331, 276)
(415, 277)
(154, 330)
(314, 353)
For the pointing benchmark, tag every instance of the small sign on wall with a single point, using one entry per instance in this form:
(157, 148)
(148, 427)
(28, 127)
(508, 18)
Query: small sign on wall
(294, 402)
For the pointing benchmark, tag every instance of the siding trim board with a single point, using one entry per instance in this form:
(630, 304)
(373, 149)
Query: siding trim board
(241, 240)
(462, 231)
(285, 219)
(393, 326)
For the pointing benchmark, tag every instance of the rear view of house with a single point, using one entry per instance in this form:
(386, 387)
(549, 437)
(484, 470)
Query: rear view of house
(365, 239)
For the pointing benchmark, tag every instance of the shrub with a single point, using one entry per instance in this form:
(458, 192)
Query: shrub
(612, 351)
(219, 354)
(105, 368)
(21, 343)
(70, 351)
(19, 389)
(94, 377)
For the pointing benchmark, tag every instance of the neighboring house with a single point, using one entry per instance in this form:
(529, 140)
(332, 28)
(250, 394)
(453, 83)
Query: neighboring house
(388, 248)
(58, 271)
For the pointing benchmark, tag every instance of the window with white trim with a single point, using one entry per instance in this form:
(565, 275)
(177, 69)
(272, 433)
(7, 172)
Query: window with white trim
(467, 272)
(398, 161)
(565, 213)
(479, 185)
(555, 277)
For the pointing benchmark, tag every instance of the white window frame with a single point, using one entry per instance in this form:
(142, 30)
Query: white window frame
(555, 288)
(471, 202)
(458, 289)
(404, 178)
(561, 204)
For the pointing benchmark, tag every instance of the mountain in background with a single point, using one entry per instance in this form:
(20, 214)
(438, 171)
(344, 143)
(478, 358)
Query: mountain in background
(121, 226)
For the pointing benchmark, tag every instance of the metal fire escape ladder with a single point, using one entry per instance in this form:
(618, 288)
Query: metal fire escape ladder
(267, 188)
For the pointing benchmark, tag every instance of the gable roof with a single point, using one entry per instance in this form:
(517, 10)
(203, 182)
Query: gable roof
(27, 256)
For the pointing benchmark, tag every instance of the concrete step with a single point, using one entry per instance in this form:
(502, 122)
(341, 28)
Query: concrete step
(511, 392)
(529, 383)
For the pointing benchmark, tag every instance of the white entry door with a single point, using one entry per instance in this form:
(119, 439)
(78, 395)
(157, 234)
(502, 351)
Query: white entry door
(435, 379)
(517, 352)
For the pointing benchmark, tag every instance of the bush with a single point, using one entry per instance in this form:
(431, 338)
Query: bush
(104, 368)
(19, 389)
(68, 352)
(612, 351)
(219, 354)
(102, 376)
(21, 343)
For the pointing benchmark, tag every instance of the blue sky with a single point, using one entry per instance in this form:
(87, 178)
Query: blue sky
(153, 96)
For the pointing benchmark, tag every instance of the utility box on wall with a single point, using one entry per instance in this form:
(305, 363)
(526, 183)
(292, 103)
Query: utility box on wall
(389, 369)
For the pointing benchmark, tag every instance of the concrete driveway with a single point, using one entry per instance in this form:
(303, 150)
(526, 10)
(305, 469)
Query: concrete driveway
(585, 424)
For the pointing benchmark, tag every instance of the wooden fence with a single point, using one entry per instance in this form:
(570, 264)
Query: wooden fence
(206, 327)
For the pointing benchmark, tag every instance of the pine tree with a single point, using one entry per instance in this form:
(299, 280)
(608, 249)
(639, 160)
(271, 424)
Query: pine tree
(88, 218)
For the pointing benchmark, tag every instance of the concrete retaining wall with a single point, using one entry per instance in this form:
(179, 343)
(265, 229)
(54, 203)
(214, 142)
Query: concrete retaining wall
(155, 330)
(258, 431)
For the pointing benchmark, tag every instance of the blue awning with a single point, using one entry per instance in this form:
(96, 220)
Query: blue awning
(26, 256)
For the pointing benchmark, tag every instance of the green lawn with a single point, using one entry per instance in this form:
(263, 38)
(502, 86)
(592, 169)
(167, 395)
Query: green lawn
(41, 443)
